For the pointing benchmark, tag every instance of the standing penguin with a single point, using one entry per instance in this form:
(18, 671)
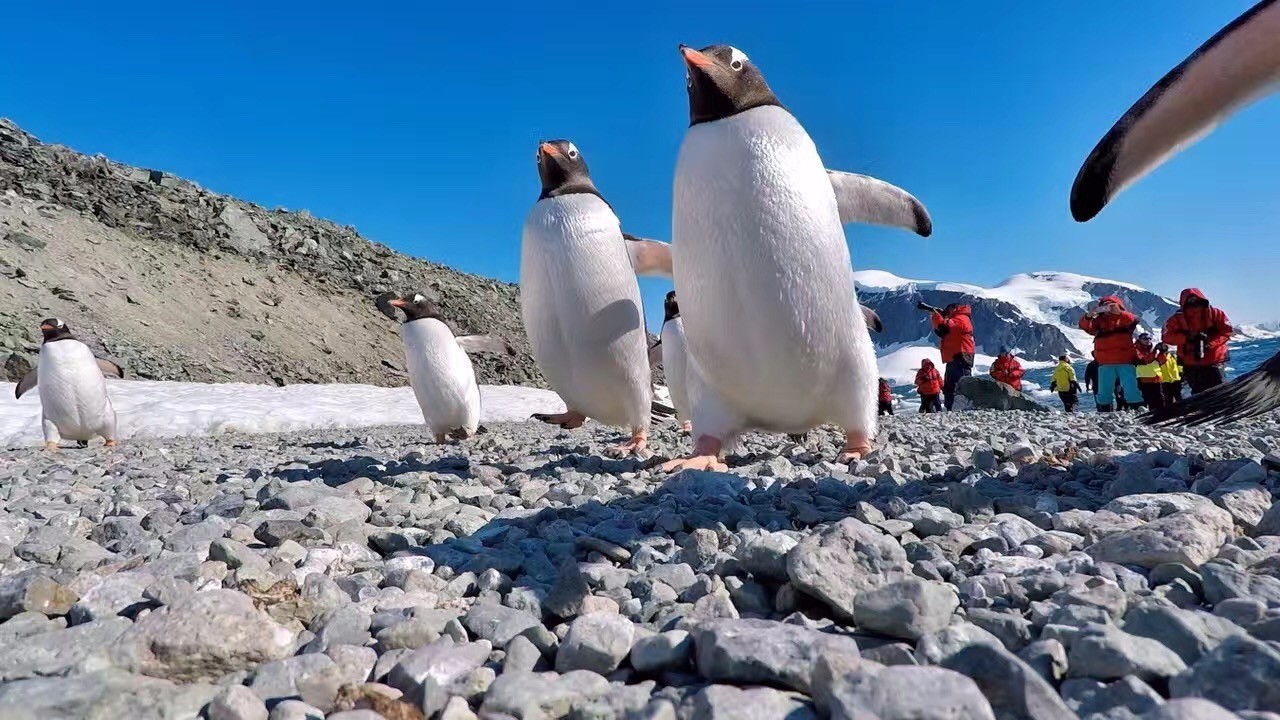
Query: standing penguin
(73, 393)
(775, 337)
(440, 372)
(580, 300)
(673, 358)
(1236, 66)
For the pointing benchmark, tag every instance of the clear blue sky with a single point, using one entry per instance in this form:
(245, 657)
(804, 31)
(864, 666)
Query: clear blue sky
(417, 122)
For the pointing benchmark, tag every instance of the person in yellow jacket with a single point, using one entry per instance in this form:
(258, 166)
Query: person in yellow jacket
(1170, 374)
(1064, 383)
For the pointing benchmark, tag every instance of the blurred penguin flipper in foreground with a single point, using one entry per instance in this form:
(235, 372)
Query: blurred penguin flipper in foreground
(1254, 393)
(1238, 65)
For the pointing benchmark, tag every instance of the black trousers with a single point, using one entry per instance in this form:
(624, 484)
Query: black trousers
(956, 369)
(930, 404)
(1152, 394)
(1172, 392)
(1069, 401)
(886, 407)
(1203, 377)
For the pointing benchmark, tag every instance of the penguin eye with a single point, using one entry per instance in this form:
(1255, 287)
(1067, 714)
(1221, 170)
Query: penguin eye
(537, 156)
(417, 299)
(738, 59)
(688, 81)
(736, 64)
(573, 151)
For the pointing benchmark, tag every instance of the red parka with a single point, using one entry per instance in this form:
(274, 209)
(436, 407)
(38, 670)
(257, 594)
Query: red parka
(928, 381)
(1008, 370)
(1112, 333)
(956, 332)
(886, 393)
(1181, 330)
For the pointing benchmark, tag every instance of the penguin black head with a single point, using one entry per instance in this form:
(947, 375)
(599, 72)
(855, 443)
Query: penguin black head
(670, 308)
(54, 329)
(723, 82)
(562, 169)
(415, 307)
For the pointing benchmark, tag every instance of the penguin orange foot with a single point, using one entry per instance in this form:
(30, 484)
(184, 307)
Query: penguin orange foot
(636, 445)
(855, 446)
(567, 420)
(109, 443)
(706, 456)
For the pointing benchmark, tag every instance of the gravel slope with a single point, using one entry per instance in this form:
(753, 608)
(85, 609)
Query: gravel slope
(1015, 565)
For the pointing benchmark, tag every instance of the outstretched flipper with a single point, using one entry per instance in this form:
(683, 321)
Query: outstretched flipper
(485, 343)
(864, 199)
(873, 320)
(1254, 393)
(27, 382)
(1236, 66)
(649, 257)
(110, 369)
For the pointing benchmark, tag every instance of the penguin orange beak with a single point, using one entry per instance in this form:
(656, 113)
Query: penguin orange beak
(399, 302)
(45, 327)
(548, 149)
(695, 59)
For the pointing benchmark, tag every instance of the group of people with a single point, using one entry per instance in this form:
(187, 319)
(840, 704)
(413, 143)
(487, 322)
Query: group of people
(1126, 372)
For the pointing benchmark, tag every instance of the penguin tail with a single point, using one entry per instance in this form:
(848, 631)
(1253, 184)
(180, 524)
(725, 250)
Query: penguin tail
(1254, 393)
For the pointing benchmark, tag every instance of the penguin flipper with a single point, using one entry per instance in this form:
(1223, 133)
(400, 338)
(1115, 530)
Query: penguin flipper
(1254, 393)
(27, 382)
(873, 320)
(485, 344)
(649, 257)
(864, 199)
(110, 369)
(1233, 68)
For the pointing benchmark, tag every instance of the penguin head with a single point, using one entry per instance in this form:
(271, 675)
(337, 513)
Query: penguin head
(722, 82)
(562, 170)
(670, 308)
(415, 307)
(54, 329)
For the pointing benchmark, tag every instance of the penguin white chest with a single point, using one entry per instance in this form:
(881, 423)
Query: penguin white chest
(73, 393)
(675, 365)
(581, 308)
(443, 380)
(762, 268)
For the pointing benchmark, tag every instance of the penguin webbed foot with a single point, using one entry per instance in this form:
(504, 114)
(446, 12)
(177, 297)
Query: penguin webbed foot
(51, 447)
(706, 456)
(569, 420)
(856, 445)
(637, 445)
(686, 428)
(109, 443)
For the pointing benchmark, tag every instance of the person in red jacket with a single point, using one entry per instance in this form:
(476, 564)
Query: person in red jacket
(1112, 329)
(955, 329)
(1007, 370)
(886, 398)
(929, 385)
(1200, 332)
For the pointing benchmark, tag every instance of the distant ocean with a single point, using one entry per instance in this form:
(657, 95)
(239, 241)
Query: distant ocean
(1245, 356)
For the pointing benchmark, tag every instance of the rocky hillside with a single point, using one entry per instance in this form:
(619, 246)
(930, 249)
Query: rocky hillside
(181, 283)
(1035, 314)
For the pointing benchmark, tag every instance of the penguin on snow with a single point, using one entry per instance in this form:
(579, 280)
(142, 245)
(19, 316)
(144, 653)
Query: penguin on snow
(73, 394)
(580, 300)
(774, 334)
(440, 372)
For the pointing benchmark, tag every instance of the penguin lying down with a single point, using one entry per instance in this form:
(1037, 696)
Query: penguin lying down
(73, 394)
(440, 372)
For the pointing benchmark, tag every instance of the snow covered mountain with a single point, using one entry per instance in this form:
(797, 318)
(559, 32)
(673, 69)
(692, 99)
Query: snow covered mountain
(1034, 314)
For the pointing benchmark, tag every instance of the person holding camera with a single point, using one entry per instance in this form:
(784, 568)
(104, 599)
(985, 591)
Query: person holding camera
(1112, 329)
(1200, 332)
(955, 332)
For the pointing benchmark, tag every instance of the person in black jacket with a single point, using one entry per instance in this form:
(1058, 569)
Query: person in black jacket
(1091, 376)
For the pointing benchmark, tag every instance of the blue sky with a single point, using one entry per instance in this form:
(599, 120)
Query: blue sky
(417, 122)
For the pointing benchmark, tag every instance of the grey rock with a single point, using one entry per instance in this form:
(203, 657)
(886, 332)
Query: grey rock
(313, 678)
(1189, 633)
(237, 702)
(1239, 674)
(983, 393)
(764, 651)
(1190, 709)
(1190, 537)
(534, 695)
(597, 642)
(522, 656)
(726, 702)
(1013, 688)
(909, 609)
(844, 559)
(496, 623)
(109, 693)
(31, 592)
(295, 710)
(427, 675)
(1048, 658)
(935, 648)
(1124, 698)
(863, 690)
(58, 651)
(670, 650)
(1107, 653)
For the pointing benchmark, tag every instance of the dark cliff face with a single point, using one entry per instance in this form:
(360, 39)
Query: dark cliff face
(1000, 323)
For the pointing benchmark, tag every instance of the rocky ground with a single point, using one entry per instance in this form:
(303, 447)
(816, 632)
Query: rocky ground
(977, 566)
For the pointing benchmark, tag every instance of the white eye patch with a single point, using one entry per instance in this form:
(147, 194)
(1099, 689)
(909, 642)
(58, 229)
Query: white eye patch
(58, 323)
(417, 299)
(737, 58)
(573, 151)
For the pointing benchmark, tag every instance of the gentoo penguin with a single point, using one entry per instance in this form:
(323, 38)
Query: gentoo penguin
(1239, 64)
(73, 393)
(672, 345)
(775, 338)
(580, 300)
(440, 372)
